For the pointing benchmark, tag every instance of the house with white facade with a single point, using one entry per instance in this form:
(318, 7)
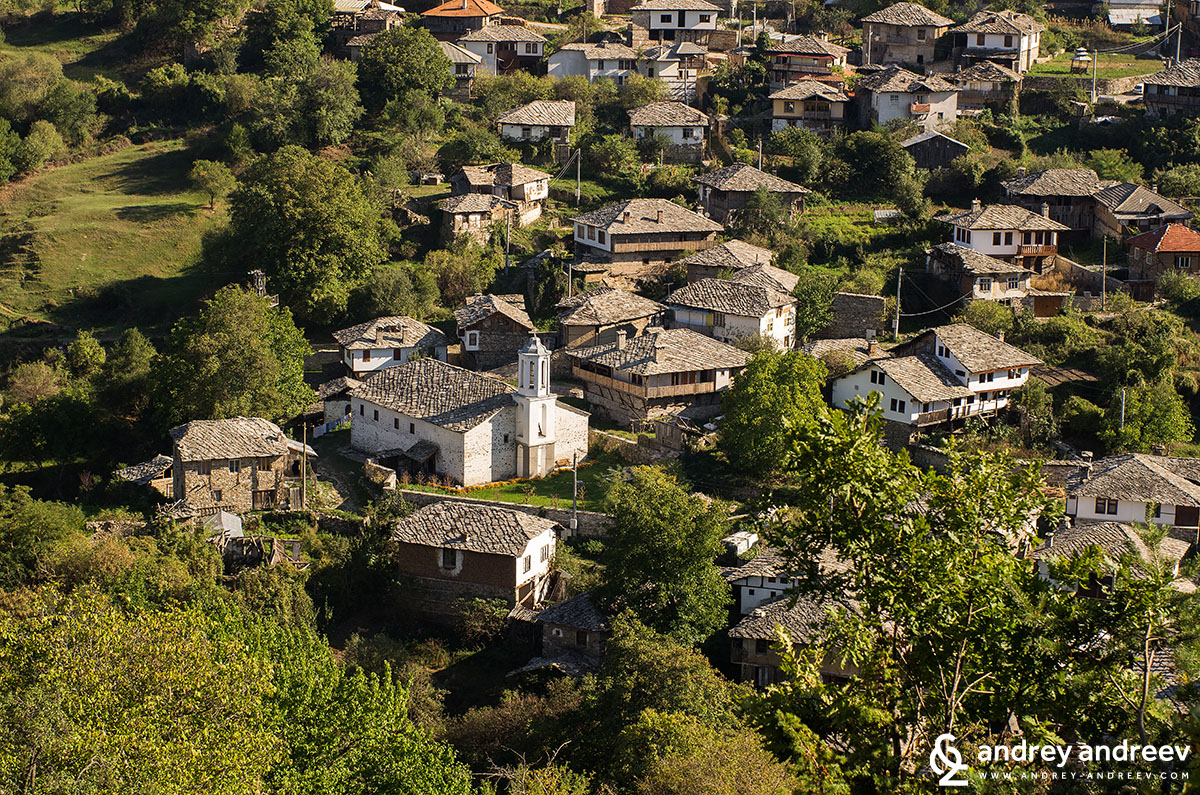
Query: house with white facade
(895, 93)
(1007, 232)
(464, 67)
(607, 59)
(944, 374)
(977, 276)
(504, 48)
(810, 104)
(388, 342)
(732, 310)
(674, 21)
(1135, 487)
(429, 417)
(1008, 38)
(680, 125)
(1114, 540)
(646, 231)
(676, 66)
(523, 187)
(538, 120)
(805, 57)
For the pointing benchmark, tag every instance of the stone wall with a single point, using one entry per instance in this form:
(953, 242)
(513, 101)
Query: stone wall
(630, 451)
(222, 489)
(591, 524)
(855, 315)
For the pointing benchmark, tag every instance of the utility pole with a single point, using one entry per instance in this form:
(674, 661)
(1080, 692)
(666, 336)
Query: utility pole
(507, 238)
(1122, 408)
(1095, 64)
(574, 491)
(1178, 36)
(896, 323)
(303, 464)
(576, 177)
(760, 153)
(1104, 274)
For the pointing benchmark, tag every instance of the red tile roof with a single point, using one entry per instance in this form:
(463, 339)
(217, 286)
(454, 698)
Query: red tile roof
(1172, 237)
(464, 8)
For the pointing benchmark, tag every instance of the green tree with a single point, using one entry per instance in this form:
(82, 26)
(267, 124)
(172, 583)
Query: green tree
(396, 289)
(990, 317)
(328, 103)
(775, 394)
(401, 60)
(212, 177)
(71, 108)
(180, 23)
(638, 91)
(85, 355)
(806, 150)
(125, 378)
(878, 164)
(1178, 181)
(10, 151)
(660, 555)
(614, 156)
(475, 145)
(1114, 164)
(29, 530)
(237, 357)
(462, 270)
(42, 143)
(309, 224)
(763, 214)
(1150, 415)
(25, 83)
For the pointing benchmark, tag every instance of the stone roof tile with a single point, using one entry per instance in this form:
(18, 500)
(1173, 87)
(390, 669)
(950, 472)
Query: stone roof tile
(398, 332)
(730, 297)
(437, 392)
(471, 528)
(643, 217)
(664, 351)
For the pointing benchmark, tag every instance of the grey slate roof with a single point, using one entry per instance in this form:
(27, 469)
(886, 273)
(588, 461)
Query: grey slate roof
(471, 528)
(399, 332)
(503, 33)
(804, 620)
(734, 254)
(667, 114)
(1142, 478)
(676, 5)
(981, 352)
(806, 89)
(643, 218)
(1185, 74)
(239, 437)
(1004, 22)
(929, 135)
(481, 307)
(897, 79)
(923, 376)
(503, 175)
(146, 471)
(336, 386)
(605, 306)
(1127, 200)
(987, 71)
(437, 392)
(977, 262)
(665, 351)
(457, 54)
(908, 15)
(768, 276)
(1055, 182)
(1113, 538)
(730, 297)
(603, 51)
(857, 348)
(744, 177)
(470, 203)
(578, 612)
(807, 45)
(548, 113)
(1002, 216)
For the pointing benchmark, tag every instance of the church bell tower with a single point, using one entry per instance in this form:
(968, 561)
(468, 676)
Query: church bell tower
(535, 411)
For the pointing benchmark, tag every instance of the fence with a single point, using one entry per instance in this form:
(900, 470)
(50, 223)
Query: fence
(321, 430)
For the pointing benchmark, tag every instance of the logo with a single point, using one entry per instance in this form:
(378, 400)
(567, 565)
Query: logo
(946, 761)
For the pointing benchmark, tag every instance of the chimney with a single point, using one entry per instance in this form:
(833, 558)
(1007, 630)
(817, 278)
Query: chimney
(1000, 335)
(620, 339)
(1154, 187)
(379, 336)
(976, 205)
(660, 216)
(872, 346)
(626, 219)
(1086, 468)
(1045, 209)
(1020, 171)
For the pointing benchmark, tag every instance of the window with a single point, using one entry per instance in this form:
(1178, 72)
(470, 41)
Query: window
(361, 409)
(921, 60)
(581, 637)
(412, 427)
(472, 339)
(761, 645)
(600, 236)
(979, 39)
(490, 48)
(1014, 373)
(898, 406)
(1008, 41)
(578, 230)
(216, 494)
(1106, 507)
(600, 64)
(376, 413)
(920, 34)
(366, 356)
(1183, 263)
(1026, 238)
(986, 378)
(396, 423)
(1008, 238)
(878, 377)
(983, 396)
(531, 49)
(545, 554)
(750, 591)
(449, 558)
(895, 98)
(461, 70)
(1155, 510)
(995, 238)
(985, 285)
(665, 18)
(1013, 282)
(789, 107)
(591, 233)
(688, 132)
(204, 467)
(527, 564)
(943, 352)
(235, 465)
(705, 19)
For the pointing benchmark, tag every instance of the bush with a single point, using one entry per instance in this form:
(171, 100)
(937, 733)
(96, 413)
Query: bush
(1178, 287)
(478, 621)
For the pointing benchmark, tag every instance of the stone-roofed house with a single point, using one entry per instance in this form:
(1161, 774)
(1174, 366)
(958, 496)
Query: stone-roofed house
(429, 417)
(539, 120)
(724, 192)
(387, 342)
(454, 550)
(1068, 192)
(731, 310)
(155, 474)
(576, 626)
(674, 20)
(464, 65)
(645, 231)
(1125, 209)
(524, 187)
(1175, 89)
(842, 355)
(728, 258)
(661, 372)
(987, 84)
(942, 375)
(676, 66)
(1009, 38)
(596, 317)
(810, 104)
(681, 125)
(902, 33)
(1114, 540)
(805, 57)
(604, 59)
(491, 329)
(355, 22)
(896, 93)
(1135, 487)
(932, 149)
(473, 215)
(1008, 232)
(237, 465)
(978, 276)
(855, 315)
(503, 48)
(333, 400)
(455, 18)
(1173, 247)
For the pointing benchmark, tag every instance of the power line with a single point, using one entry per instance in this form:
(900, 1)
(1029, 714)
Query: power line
(939, 309)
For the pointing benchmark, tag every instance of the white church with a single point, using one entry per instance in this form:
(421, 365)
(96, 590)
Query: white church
(430, 417)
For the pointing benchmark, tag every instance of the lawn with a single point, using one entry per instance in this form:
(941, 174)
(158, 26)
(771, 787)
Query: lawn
(106, 242)
(1112, 65)
(84, 49)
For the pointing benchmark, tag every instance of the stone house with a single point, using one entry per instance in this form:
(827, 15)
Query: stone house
(523, 187)
(236, 465)
(1008, 38)
(673, 20)
(978, 276)
(1008, 232)
(725, 192)
(676, 66)
(1124, 209)
(809, 104)
(453, 550)
(429, 417)
(464, 65)
(473, 215)
(491, 330)
(730, 311)
(1173, 247)
(1175, 89)
(539, 120)
(987, 84)
(455, 18)
(733, 256)
(895, 93)
(503, 48)
(932, 149)
(1069, 193)
(855, 315)
(603, 59)
(681, 126)
(356, 22)
(646, 231)
(155, 474)
(803, 57)
(1135, 487)
(596, 316)
(1114, 540)
(657, 373)
(387, 342)
(574, 626)
(902, 33)
(333, 399)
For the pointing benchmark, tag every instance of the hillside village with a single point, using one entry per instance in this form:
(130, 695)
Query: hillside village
(657, 397)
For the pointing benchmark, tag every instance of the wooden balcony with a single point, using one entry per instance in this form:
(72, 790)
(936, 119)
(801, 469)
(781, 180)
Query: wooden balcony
(622, 247)
(933, 417)
(918, 108)
(1036, 251)
(646, 392)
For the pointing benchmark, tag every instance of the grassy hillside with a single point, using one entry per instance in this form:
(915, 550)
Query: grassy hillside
(83, 49)
(106, 242)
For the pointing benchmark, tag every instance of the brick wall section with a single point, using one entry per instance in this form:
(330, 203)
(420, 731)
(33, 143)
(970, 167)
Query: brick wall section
(591, 523)
(854, 315)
